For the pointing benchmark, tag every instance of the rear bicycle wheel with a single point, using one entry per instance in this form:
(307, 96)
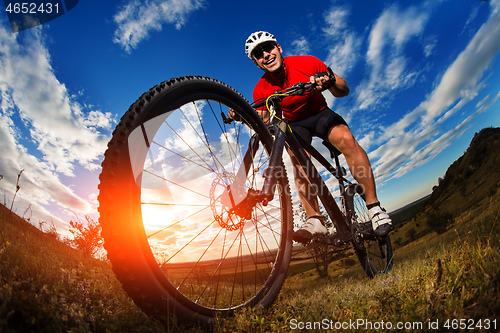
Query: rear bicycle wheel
(172, 173)
(374, 253)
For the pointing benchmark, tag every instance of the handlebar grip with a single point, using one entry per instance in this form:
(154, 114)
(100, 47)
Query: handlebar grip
(321, 74)
(330, 75)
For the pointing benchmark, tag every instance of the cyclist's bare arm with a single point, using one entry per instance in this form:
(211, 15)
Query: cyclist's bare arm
(265, 115)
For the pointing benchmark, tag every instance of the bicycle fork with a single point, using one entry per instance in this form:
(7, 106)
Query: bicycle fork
(242, 203)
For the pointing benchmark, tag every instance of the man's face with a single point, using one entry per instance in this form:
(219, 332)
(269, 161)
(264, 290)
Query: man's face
(268, 57)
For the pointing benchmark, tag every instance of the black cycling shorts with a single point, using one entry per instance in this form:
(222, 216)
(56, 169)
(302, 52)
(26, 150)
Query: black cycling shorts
(318, 125)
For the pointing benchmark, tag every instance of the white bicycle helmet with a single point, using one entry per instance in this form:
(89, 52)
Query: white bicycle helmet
(257, 38)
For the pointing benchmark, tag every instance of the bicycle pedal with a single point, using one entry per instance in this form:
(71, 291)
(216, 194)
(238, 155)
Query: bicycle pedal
(366, 233)
(330, 239)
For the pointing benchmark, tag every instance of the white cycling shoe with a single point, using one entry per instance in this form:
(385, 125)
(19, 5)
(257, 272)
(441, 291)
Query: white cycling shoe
(313, 226)
(381, 222)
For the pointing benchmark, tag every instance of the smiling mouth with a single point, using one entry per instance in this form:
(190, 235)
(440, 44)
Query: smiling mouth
(270, 61)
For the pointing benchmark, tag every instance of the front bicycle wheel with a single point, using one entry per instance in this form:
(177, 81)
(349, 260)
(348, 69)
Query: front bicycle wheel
(171, 178)
(374, 253)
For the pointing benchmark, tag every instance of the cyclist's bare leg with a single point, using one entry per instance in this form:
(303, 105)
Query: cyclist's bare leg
(341, 137)
(305, 190)
(308, 196)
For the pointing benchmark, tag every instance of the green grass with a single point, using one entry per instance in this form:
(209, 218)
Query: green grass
(49, 287)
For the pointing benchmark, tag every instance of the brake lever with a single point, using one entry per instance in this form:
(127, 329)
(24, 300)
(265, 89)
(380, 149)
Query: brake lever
(310, 86)
(300, 88)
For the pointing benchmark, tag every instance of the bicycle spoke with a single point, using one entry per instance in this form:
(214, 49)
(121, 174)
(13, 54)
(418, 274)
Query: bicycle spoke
(199, 259)
(176, 223)
(205, 141)
(184, 157)
(223, 130)
(173, 183)
(188, 145)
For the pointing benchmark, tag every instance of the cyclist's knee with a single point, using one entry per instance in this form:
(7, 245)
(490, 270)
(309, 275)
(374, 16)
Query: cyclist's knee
(342, 138)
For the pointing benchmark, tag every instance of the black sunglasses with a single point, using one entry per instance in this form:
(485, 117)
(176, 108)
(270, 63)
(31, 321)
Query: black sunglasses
(267, 47)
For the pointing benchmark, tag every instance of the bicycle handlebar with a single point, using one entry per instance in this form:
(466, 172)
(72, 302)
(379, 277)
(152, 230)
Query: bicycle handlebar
(297, 89)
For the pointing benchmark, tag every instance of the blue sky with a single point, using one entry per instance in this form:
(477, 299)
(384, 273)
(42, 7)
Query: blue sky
(421, 74)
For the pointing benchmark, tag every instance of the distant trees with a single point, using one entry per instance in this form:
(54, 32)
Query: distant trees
(322, 255)
(87, 237)
(439, 221)
(411, 234)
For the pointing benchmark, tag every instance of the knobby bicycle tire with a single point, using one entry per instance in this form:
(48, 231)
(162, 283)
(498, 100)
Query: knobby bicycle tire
(169, 180)
(374, 253)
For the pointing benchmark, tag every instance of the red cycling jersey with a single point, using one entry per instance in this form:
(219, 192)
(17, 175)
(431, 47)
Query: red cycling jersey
(297, 68)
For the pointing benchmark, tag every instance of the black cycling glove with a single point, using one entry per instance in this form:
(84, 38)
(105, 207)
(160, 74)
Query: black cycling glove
(329, 74)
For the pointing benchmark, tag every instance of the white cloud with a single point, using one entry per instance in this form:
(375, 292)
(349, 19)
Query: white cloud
(472, 17)
(416, 138)
(484, 106)
(63, 131)
(393, 29)
(342, 56)
(404, 153)
(385, 56)
(38, 186)
(137, 18)
(300, 46)
(462, 77)
(336, 20)
(429, 47)
(43, 129)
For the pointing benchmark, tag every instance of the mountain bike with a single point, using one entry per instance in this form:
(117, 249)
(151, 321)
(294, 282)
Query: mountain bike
(196, 209)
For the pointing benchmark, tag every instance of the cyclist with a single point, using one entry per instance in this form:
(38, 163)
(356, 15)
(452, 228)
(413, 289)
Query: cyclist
(310, 116)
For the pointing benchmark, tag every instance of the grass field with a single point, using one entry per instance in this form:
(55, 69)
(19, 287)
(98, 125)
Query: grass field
(437, 278)
(49, 287)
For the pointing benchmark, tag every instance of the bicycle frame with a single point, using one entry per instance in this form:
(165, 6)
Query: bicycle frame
(298, 146)
(322, 190)
(299, 151)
